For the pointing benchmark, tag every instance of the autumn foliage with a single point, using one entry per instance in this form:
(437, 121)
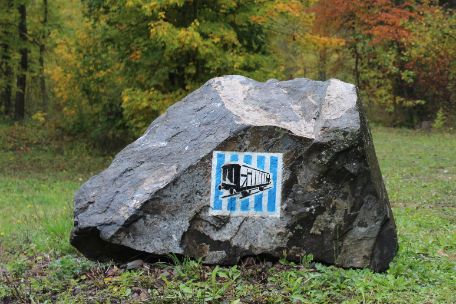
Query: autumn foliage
(104, 69)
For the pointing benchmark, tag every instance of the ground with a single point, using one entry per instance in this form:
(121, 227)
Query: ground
(40, 171)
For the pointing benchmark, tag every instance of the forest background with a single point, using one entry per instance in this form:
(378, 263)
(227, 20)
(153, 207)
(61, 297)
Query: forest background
(102, 70)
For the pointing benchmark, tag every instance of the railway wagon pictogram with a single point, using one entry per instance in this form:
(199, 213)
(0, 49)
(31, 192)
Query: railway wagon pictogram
(243, 179)
(246, 183)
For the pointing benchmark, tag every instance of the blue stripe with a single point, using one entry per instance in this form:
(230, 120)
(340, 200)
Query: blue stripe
(245, 204)
(273, 164)
(234, 157)
(218, 179)
(260, 162)
(248, 159)
(231, 204)
(259, 202)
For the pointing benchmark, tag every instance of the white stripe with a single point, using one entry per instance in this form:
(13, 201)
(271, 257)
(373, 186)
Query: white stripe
(252, 197)
(238, 201)
(213, 174)
(279, 185)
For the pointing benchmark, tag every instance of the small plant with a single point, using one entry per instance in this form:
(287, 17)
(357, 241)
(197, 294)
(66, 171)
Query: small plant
(231, 273)
(306, 260)
(69, 266)
(187, 268)
(39, 117)
(440, 120)
(19, 266)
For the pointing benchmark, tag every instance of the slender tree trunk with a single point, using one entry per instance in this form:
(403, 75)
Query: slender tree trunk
(322, 64)
(19, 111)
(44, 95)
(6, 95)
(7, 91)
(43, 79)
(357, 58)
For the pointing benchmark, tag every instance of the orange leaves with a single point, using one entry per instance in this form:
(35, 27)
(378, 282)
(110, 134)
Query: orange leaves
(382, 20)
(381, 33)
(387, 22)
(135, 55)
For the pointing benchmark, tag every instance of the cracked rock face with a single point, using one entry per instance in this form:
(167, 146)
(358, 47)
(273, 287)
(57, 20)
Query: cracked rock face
(154, 199)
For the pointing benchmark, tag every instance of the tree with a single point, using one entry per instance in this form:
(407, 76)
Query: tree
(6, 65)
(19, 111)
(42, 51)
(155, 52)
(376, 34)
(431, 59)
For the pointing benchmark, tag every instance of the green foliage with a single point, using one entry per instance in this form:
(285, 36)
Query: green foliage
(41, 19)
(431, 56)
(440, 120)
(103, 69)
(67, 267)
(139, 106)
(153, 54)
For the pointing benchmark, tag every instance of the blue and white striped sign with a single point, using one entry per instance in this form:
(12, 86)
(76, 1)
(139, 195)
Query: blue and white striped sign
(246, 184)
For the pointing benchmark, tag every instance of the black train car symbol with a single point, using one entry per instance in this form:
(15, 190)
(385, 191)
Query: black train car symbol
(243, 179)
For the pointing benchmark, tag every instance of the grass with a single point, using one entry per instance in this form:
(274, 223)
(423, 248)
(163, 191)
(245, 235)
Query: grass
(39, 175)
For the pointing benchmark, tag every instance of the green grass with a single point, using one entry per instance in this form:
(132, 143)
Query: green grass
(40, 173)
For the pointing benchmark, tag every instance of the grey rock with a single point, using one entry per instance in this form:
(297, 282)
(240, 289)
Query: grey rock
(154, 197)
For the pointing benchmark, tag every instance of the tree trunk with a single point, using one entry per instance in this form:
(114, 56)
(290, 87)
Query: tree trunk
(322, 61)
(357, 57)
(6, 64)
(41, 58)
(7, 91)
(19, 111)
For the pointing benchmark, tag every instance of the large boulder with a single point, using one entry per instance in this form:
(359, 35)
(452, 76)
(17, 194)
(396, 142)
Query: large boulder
(160, 196)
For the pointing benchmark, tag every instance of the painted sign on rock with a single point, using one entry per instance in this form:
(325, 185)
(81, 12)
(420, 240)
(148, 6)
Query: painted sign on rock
(246, 183)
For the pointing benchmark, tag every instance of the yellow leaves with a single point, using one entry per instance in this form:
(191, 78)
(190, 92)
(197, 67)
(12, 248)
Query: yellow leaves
(69, 112)
(325, 42)
(162, 30)
(134, 3)
(259, 19)
(294, 8)
(227, 5)
(182, 38)
(39, 117)
(140, 107)
(189, 38)
(216, 39)
(61, 81)
(109, 280)
(219, 34)
(153, 7)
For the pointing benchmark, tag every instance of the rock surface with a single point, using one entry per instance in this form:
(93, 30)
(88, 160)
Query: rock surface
(154, 197)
